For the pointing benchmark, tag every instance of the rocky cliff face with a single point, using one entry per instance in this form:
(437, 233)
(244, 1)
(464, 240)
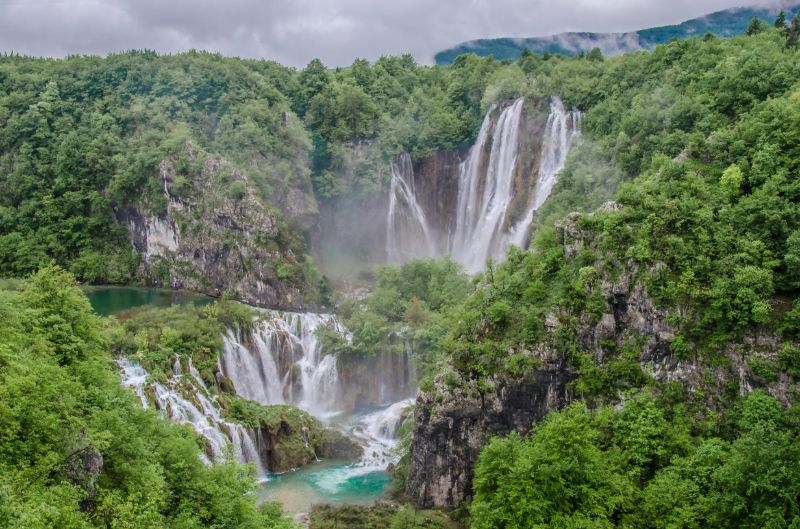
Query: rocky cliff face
(454, 420)
(449, 432)
(294, 439)
(212, 233)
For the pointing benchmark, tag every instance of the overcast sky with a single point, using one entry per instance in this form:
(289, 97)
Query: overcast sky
(336, 31)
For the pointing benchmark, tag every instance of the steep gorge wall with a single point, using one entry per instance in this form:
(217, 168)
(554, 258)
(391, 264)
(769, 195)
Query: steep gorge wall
(453, 421)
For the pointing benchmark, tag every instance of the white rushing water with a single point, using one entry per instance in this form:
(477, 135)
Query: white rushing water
(486, 192)
(483, 199)
(203, 415)
(408, 235)
(560, 134)
(282, 362)
(378, 432)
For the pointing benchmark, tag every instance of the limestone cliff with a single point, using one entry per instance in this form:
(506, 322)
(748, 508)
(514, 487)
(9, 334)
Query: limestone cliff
(453, 420)
(211, 231)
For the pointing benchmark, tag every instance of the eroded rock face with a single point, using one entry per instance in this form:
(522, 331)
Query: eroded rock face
(213, 235)
(451, 424)
(449, 433)
(284, 446)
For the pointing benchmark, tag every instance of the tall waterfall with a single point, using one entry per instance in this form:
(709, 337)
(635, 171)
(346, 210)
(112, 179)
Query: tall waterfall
(281, 362)
(204, 415)
(560, 134)
(490, 181)
(408, 235)
(484, 198)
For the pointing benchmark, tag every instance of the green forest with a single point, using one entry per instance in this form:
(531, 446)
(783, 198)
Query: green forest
(686, 182)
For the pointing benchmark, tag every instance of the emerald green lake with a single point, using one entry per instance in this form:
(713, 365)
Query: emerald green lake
(329, 482)
(112, 300)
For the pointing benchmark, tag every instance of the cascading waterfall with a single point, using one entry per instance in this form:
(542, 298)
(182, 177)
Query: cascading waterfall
(284, 343)
(484, 199)
(408, 235)
(560, 135)
(486, 191)
(279, 361)
(378, 432)
(283, 352)
(206, 419)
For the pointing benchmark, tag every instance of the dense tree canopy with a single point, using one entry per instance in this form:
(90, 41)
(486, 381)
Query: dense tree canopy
(77, 450)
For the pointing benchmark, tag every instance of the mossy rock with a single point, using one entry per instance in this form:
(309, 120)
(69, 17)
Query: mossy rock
(336, 444)
(291, 437)
(226, 385)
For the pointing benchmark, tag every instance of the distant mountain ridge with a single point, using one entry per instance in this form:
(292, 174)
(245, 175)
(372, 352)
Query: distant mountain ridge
(726, 23)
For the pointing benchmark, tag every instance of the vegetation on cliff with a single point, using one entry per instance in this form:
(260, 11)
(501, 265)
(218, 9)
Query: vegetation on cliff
(697, 144)
(650, 464)
(406, 308)
(156, 338)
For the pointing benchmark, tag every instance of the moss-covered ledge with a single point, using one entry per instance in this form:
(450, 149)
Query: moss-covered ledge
(288, 437)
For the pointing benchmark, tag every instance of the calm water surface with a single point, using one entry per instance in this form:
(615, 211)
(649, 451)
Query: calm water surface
(107, 300)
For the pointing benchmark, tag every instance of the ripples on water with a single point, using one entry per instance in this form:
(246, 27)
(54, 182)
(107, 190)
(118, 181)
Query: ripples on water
(330, 481)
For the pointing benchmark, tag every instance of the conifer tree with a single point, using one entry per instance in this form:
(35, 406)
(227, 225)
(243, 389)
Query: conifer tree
(780, 21)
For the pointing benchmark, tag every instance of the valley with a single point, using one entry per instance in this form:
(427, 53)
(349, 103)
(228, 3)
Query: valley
(553, 291)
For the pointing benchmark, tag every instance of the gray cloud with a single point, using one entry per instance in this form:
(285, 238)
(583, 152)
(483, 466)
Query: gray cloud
(336, 31)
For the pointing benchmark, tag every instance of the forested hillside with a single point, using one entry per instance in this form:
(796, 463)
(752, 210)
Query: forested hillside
(728, 23)
(673, 302)
(76, 448)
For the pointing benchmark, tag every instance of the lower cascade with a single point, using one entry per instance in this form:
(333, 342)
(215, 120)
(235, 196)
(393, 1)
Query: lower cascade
(206, 419)
(279, 361)
(490, 189)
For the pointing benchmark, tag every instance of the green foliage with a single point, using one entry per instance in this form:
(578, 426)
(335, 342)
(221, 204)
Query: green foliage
(379, 516)
(755, 26)
(557, 478)
(62, 406)
(84, 136)
(156, 337)
(731, 181)
(407, 306)
(634, 467)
